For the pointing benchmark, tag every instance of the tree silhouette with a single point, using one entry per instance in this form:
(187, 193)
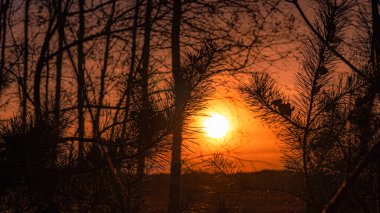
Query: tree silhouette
(327, 130)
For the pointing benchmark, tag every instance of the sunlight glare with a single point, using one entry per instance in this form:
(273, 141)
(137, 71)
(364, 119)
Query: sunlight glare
(216, 126)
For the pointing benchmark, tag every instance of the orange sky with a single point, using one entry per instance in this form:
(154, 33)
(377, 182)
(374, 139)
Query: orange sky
(248, 139)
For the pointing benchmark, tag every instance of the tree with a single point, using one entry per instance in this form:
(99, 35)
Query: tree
(145, 134)
(80, 79)
(26, 59)
(175, 169)
(5, 7)
(324, 130)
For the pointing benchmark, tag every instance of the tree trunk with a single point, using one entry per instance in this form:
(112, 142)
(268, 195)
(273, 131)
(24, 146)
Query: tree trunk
(376, 34)
(131, 74)
(104, 72)
(1, 18)
(61, 32)
(81, 83)
(26, 59)
(4, 11)
(175, 171)
(39, 67)
(46, 113)
(145, 135)
(376, 64)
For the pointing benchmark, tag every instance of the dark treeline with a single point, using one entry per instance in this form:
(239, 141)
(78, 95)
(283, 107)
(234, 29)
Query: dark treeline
(98, 94)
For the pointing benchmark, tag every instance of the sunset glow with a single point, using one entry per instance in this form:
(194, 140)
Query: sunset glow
(216, 126)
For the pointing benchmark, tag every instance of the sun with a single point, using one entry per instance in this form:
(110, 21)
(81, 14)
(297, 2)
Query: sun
(216, 126)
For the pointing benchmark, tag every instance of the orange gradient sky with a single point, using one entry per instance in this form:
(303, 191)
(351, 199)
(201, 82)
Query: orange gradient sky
(248, 138)
(249, 142)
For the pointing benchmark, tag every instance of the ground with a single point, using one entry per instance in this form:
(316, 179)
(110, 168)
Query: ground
(264, 192)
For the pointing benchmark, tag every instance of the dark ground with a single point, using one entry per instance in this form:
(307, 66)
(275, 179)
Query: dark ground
(264, 192)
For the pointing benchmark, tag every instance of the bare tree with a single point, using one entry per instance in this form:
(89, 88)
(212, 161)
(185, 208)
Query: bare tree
(59, 60)
(145, 135)
(80, 79)
(26, 59)
(179, 99)
(52, 26)
(5, 7)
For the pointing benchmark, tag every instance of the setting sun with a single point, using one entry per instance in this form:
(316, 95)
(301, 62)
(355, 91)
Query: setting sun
(216, 126)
